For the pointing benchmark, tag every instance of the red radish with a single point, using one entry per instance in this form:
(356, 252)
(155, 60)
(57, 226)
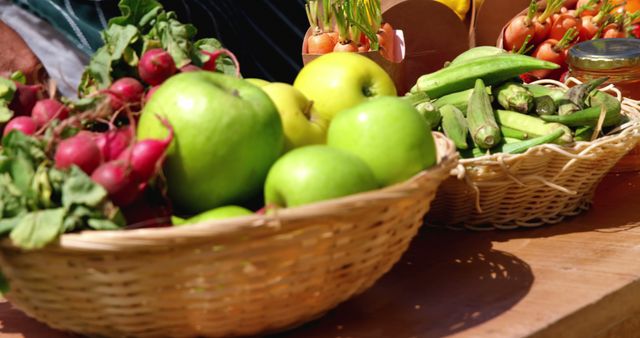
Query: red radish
(553, 50)
(115, 101)
(116, 177)
(542, 23)
(25, 98)
(80, 150)
(588, 29)
(528, 78)
(127, 89)
(190, 68)
(387, 41)
(23, 124)
(333, 36)
(346, 47)
(145, 213)
(46, 110)
(155, 66)
(588, 7)
(321, 43)
(364, 44)
(636, 31)
(211, 65)
(612, 31)
(519, 28)
(150, 92)
(562, 24)
(146, 156)
(113, 142)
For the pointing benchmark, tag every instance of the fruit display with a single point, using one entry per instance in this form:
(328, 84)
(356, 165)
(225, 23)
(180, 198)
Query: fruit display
(549, 29)
(166, 132)
(479, 102)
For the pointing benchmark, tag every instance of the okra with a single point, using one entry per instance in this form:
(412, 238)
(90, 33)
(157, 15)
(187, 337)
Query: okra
(476, 52)
(522, 146)
(567, 109)
(590, 116)
(545, 105)
(430, 113)
(480, 117)
(578, 94)
(533, 126)
(459, 100)
(513, 96)
(556, 94)
(491, 69)
(455, 126)
(514, 133)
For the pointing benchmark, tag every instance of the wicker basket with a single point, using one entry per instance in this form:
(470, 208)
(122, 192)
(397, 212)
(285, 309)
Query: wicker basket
(542, 186)
(234, 277)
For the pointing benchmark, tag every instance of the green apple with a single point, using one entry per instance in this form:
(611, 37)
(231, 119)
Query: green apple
(338, 81)
(228, 211)
(389, 134)
(316, 173)
(257, 82)
(228, 133)
(300, 120)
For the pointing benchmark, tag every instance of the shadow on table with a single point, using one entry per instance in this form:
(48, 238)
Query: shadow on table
(447, 282)
(13, 322)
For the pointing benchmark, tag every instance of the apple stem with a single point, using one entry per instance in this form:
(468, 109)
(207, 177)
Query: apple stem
(307, 110)
(366, 91)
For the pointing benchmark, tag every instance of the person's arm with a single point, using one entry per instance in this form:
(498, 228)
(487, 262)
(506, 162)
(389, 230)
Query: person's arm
(18, 57)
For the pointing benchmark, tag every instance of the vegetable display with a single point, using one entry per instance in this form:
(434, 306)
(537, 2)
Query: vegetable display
(348, 26)
(548, 34)
(503, 115)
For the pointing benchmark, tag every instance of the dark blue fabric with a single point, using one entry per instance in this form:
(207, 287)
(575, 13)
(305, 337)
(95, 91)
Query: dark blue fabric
(266, 35)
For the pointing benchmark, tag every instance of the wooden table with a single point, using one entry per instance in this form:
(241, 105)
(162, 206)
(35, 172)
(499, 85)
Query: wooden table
(575, 279)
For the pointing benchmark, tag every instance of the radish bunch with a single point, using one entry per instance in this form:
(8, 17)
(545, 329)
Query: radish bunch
(549, 34)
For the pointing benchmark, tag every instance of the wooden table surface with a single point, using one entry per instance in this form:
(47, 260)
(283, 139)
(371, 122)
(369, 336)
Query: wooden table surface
(579, 278)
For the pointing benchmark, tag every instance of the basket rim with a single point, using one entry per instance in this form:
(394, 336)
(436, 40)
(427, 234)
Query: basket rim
(90, 240)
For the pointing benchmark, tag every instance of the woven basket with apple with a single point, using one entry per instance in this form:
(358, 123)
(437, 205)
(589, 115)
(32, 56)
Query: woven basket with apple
(182, 200)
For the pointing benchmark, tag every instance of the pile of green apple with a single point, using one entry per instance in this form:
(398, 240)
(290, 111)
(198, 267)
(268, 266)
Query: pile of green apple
(338, 130)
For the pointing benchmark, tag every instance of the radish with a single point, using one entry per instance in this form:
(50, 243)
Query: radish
(155, 66)
(321, 43)
(211, 65)
(519, 28)
(189, 68)
(25, 98)
(562, 24)
(127, 89)
(542, 23)
(146, 156)
(113, 142)
(591, 24)
(80, 150)
(553, 50)
(46, 110)
(613, 31)
(23, 124)
(588, 7)
(150, 92)
(115, 177)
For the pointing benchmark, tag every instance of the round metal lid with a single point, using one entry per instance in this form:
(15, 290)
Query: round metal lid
(605, 54)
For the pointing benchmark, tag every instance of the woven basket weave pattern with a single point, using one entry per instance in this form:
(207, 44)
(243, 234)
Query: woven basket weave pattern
(542, 186)
(228, 278)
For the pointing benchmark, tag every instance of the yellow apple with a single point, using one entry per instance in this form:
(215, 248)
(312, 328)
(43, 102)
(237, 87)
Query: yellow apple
(257, 82)
(339, 81)
(301, 123)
